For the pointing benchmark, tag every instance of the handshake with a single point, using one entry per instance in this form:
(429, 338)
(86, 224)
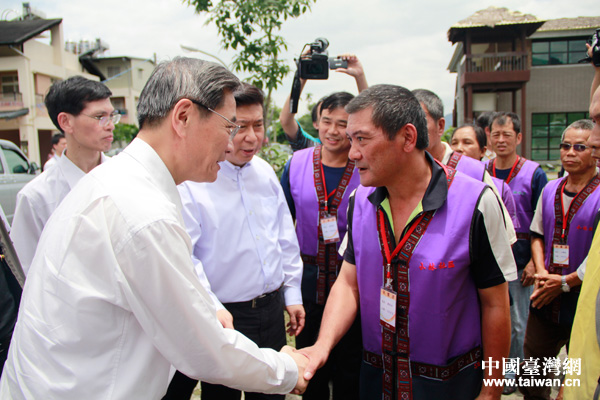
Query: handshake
(308, 360)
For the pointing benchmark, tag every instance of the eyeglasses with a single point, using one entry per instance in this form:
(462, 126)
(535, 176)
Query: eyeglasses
(577, 147)
(233, 127)
(104, 120)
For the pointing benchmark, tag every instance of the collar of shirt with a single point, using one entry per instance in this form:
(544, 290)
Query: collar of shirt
(72, 172)
(144, 154)
(436, 192)
(233, 171)
(447, 153)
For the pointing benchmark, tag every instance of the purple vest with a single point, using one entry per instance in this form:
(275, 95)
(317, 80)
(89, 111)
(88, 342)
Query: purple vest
(579, 238)
(580, 231)
(475, 169)
(521, 188)
(302, 187)
(444, 312)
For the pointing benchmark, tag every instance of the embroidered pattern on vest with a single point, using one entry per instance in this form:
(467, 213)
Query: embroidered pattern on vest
(454, 159)
(327, 265)
(396, 345)
(557, 237)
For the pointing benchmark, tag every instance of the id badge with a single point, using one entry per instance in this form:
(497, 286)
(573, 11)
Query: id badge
(560, 255)
(330, 230)
(387, 309)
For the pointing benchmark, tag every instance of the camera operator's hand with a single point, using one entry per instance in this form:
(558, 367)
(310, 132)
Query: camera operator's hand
(354, 69)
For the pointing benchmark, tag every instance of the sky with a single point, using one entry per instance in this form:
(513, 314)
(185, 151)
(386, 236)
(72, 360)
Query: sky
(397, 41)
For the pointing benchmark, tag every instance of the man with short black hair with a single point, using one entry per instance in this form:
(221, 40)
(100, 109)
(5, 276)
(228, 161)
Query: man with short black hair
(317, 182)
(424, 263)
(297, 137)
(526, 179)
(112, 301)
(59, 144)
(82, 110)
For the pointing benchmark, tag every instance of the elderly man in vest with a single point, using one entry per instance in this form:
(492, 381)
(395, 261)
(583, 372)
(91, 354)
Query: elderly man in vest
(427, 266)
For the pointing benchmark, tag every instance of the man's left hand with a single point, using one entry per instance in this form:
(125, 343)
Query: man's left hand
(297, 318)
(528, 277)
(550, 286)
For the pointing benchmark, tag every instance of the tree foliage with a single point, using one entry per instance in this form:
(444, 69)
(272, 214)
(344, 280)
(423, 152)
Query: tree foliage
(251, 26)
(125, 133)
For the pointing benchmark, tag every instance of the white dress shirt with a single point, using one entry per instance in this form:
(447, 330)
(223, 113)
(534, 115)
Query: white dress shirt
(37, 201)
(112, 299)
(242, 234)
(51, 162)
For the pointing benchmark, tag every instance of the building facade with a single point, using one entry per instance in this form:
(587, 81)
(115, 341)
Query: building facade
(509, 61)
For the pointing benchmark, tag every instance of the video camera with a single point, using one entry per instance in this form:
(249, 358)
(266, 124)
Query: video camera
(594, 43)
(313, 65)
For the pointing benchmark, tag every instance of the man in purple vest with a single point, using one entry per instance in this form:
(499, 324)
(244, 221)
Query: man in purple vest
(562, 231)
(317, 183)
(426, 264)
(436, 123)
(526, 179)
(470, 140)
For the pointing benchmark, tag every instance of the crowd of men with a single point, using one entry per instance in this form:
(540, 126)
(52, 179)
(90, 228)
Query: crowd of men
(408, 267)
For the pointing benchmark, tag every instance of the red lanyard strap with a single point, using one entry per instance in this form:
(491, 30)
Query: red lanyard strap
(320, 185)
(513, 171)
(562, 219)
(454, 159)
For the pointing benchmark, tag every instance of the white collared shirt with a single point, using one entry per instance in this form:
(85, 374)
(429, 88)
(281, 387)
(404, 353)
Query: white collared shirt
(112, 299)
(243, 236)
(37, 201)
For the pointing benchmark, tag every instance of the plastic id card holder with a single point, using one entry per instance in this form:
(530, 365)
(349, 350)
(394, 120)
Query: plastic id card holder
(330, 230)
(387, 309)
(560, 255)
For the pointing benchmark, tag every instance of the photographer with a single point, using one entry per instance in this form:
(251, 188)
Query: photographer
(295, 134)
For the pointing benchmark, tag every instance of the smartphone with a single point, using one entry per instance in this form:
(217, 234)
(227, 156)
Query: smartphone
(335, 63)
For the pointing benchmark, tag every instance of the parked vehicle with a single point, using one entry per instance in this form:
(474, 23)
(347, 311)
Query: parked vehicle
(15, 172)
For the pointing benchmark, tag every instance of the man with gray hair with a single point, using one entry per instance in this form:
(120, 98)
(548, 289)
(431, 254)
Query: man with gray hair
(112, 300)
(561, 235)
(435, 305)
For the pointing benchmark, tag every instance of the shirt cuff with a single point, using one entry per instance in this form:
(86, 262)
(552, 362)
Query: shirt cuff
(292, 296)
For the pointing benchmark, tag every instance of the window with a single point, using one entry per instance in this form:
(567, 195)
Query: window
(10, 86)
(16, 163)
(546, 131)
(554, 52)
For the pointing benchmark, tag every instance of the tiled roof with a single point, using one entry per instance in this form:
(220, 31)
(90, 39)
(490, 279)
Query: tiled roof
(563, 24)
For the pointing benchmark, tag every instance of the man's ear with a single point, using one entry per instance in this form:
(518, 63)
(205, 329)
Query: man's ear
(65, 121)
(441, 126)
(519, 138)
(410, 134)
(181, 116)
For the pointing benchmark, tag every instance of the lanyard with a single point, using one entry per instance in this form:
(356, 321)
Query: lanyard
(508, 179)
(566, 217)
(384, 239)
(327, 196)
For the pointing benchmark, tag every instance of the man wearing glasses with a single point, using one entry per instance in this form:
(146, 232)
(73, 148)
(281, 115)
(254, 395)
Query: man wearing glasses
(81, 109)
(245, 249)
(526, 179)
(562, 231)
(112, 301)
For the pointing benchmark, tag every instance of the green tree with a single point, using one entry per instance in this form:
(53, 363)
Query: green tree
(252, 25)
(125, 133)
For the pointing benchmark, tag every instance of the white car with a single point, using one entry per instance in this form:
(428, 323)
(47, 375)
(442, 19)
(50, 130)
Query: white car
(15, 172)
